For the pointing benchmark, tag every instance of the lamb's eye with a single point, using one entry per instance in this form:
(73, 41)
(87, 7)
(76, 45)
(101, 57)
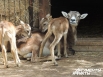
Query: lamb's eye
(79, 16)
(27, 31)
(44, 24)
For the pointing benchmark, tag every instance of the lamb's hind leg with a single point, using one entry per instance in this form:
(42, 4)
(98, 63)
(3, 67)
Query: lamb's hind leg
(52, 46)
(4, 53)
(48, 34)
(4, 56)
(14, 51)
(34, 57)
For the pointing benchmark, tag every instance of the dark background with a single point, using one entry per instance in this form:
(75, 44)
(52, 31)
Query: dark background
(92, 25)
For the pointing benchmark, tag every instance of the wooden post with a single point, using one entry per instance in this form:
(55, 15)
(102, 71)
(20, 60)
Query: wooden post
(35, 17)
(35, 14)
(45, 7)
(30, 12)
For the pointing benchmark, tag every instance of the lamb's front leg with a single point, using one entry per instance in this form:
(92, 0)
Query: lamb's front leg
(53, 45)
(34, 57)
(65, 45)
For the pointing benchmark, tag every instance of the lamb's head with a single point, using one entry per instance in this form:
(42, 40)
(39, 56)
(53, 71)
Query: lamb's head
(44, 23)
(23, 29)
(74, 17)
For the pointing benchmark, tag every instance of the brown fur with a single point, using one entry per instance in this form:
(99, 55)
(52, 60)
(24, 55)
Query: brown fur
(29, 47)
(59, 27)
(8, 34)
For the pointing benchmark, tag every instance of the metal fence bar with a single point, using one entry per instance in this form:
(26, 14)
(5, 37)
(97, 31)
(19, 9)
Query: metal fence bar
(25, 10)
(1, 14)
(9, 8)
(4, 10)
(30, 12)
(20, 9)
(14, 13)
(33, 14)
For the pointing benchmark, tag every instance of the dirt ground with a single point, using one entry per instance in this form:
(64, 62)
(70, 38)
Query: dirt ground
(91, 62)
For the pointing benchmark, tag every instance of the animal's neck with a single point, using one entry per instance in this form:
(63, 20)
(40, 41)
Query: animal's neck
(73, 27)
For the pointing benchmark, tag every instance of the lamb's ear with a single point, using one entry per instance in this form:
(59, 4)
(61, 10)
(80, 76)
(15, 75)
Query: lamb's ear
(48, 16)
(41, 20)
(28, 25)
(64, 14)
(83, 16)
(21, 22)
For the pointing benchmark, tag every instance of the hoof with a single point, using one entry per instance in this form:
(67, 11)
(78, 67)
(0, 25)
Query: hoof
(33, 61)
(72, 51)
(18, 65)
(59, 56)
(6, 66)
(28, 59)
(55, 63)
(66, 56)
